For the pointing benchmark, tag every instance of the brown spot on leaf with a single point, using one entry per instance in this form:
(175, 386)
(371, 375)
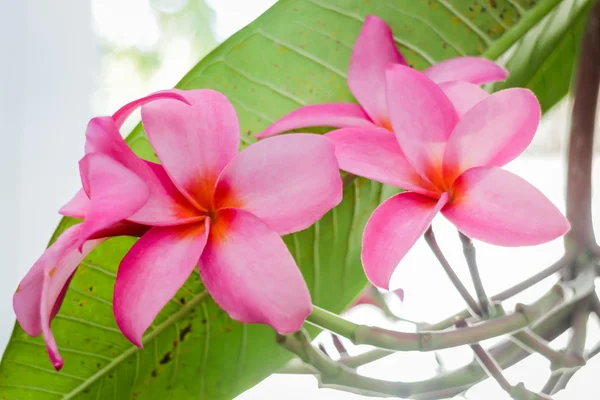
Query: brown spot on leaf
(166, 358)
(185, 331)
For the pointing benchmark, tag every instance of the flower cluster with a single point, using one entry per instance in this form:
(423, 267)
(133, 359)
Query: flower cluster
(435, 134)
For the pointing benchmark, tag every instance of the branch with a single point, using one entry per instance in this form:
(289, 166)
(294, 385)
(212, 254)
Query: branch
(506, 355)
(337, 376)
(560, 294)
(576, 345)
(527, 283)
(435, 248)
(508, 293)
(440, 387)
(558, 359)
(493, 370)
(518, 392)
(470, 256)
(581, 140)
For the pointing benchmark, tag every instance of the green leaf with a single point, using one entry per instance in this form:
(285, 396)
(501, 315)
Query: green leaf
(543, 59)
(295, 54)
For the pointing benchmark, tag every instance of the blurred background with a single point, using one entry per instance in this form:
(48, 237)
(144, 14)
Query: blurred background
(62, 64)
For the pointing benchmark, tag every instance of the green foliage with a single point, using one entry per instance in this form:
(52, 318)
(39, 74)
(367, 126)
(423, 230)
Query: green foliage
(295, 54)
(543, 59)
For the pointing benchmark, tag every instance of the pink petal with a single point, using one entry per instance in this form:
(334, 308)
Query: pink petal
(250, 273)
(493, 132)
(373, 51)
(392, 230)
(498, 207)
(288, 181)
(77, 207)
(399, 293)
(463, 95)
(422, 117)
(339, 115)
(41, 292)
(152, 272)
(470, 69)
(115, 193)
(121, 115)
(193, 143)
(375, 154)
(164, 206)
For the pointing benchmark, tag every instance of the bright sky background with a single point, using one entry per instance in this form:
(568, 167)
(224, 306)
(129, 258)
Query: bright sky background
(45, 138)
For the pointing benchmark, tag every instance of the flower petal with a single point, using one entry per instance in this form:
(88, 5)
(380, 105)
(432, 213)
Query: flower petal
(56, 279)
(373, 51)
(375, 154)
(422, 117)
(288, 181)
(164, 206)
(495, 131)
(77, 207)
(470, 69)
(152, 272)
(121, 115)
(498, 207)
(249, 272)
(193, 143)
(339, 115)
(41, 291)
(115, 193)
(392, 230)
(463, 95)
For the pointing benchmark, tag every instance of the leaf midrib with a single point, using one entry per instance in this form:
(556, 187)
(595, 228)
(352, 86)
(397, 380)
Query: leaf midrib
(146, 339)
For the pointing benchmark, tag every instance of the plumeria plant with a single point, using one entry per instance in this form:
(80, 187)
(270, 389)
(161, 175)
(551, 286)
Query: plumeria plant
(209, 212)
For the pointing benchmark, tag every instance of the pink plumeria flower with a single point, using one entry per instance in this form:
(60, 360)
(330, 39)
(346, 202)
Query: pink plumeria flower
(244, 263)
(373, 51)
(237, 205)
(118, 198)
(450, 164)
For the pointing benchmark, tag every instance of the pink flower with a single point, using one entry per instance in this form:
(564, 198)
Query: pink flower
(373, 51)
(450, 164)
(231, 210)
(116, 207)
(208, 206)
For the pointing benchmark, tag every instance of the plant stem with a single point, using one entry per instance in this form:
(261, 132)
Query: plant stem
(581, 139)
(365, 358)
(506, 354)
(335, 375)
(523, 316)
(493, 370)
(487, 363)
(442, 386)
(297, 367)
(470, 256)
(576, 345)
(558, 359)
(527, 283)
(435, 248)
(508, 293)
